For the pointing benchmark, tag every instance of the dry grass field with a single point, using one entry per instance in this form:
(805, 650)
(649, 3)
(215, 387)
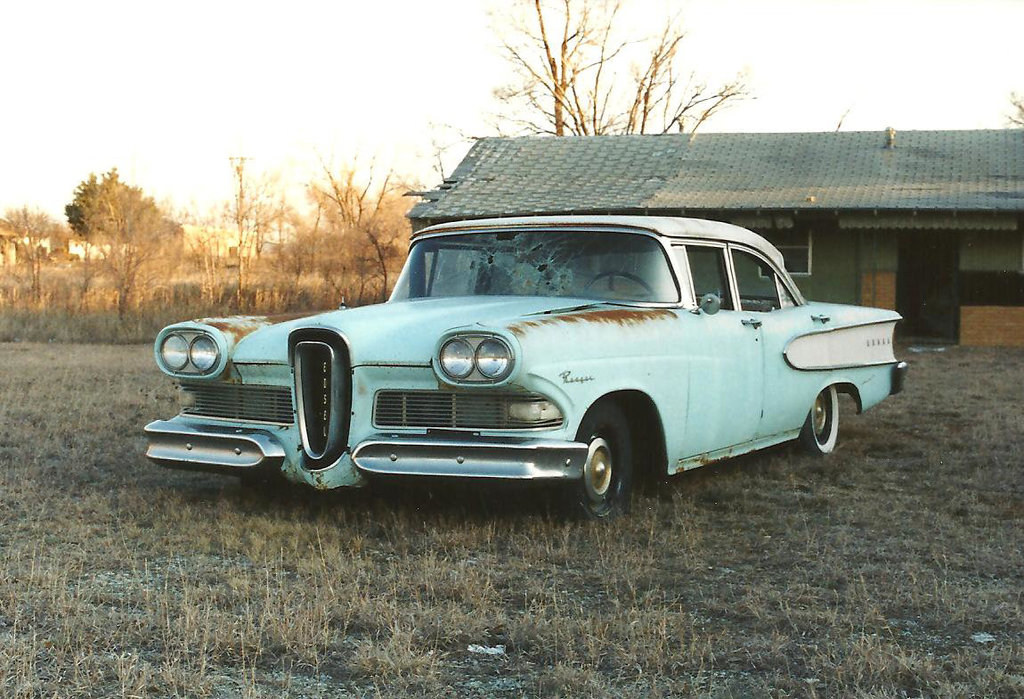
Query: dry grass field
(893, 568)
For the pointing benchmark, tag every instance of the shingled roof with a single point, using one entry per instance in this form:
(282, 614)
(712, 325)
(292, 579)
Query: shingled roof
(910, 170)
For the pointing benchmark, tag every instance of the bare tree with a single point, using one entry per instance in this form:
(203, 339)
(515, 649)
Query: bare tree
(570, 60)
(252, 214)
(34, 232)
(206, 248)
(368, 232)
(300, 253)
(1017, 116)
(88, 269)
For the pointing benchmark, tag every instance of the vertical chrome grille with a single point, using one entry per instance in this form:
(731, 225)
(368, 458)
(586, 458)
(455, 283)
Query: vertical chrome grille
(314, 362)
(322, 393)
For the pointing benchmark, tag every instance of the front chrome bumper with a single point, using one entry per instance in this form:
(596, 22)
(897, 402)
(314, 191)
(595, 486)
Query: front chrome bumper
(471, 457)
(208, 448)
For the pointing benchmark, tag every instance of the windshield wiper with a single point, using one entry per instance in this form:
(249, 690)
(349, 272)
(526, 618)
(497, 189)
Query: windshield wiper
(570, 309)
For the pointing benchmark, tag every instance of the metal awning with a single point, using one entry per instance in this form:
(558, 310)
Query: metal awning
(969, 221)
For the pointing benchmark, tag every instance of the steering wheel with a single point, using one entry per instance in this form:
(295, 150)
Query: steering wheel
(625, 275)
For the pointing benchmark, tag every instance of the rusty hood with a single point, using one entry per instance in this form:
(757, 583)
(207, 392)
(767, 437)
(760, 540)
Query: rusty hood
(397, 332)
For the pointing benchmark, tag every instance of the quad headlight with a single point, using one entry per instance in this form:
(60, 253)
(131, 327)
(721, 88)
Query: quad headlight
(457, 358)
(476, 359)
(174, 352)
(188, 352)
(203, 353)
(493, 359)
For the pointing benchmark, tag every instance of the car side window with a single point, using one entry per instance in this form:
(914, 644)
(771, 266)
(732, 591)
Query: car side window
(786, 299)
(708, 272)
(755, 281)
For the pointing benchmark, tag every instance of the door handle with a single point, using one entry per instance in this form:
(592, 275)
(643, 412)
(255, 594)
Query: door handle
(821, 319)
(751, 322)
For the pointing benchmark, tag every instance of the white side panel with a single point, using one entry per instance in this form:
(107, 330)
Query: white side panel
(862, 345)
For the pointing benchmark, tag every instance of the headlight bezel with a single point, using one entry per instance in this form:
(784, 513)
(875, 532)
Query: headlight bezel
(189, 336)
(473, 341)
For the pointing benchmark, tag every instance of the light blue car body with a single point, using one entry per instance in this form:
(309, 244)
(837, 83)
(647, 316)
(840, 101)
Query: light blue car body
(696, 386)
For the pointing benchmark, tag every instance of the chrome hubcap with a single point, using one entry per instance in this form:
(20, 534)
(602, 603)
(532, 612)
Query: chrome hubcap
(820, 415)
(598, 471)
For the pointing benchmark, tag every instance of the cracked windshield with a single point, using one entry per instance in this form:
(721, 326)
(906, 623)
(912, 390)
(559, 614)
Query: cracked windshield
(603, 266)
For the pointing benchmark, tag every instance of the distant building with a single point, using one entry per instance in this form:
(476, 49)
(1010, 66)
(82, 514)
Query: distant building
(210, 241)
(930, 223)
(222, 244)
(79, 249)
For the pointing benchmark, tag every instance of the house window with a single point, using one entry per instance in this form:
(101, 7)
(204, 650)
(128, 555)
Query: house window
(795, 246)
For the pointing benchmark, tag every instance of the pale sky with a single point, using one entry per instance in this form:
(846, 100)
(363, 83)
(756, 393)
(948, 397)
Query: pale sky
(166, 92)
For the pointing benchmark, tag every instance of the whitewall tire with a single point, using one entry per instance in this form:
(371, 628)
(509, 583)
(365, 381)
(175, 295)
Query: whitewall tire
(821, 428)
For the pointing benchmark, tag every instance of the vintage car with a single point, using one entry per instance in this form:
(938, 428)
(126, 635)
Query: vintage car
(578, 350)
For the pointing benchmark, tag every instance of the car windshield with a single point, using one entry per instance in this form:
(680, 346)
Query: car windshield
(603, 266)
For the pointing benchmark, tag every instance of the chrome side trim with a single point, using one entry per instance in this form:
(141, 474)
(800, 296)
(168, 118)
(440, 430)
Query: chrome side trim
(491, 457)
(839, 365)
(179, 445)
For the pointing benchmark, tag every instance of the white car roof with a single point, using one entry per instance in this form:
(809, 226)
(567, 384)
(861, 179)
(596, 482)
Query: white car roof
(671, 227)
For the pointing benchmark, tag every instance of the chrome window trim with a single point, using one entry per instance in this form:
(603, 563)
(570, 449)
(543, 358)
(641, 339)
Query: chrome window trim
(782, 275)
(726, 258)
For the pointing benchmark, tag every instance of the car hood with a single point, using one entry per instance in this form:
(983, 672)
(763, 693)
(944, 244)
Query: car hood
(397, 332)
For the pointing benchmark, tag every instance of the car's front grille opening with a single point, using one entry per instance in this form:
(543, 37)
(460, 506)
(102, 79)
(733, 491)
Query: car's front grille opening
(440, 409)
(242, 402)
(323, 393)
(314, 367)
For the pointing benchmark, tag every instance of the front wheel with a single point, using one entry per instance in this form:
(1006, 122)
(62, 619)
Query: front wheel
(606, 487)
(821, 428)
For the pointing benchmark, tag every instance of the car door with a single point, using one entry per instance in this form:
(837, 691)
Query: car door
(724, 355)
(767, 302)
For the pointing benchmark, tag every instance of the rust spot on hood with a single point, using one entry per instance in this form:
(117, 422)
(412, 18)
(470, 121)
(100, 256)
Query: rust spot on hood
(624, 317)
(237, 327)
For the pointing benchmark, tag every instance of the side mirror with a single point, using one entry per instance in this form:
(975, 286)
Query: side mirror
(710, 304)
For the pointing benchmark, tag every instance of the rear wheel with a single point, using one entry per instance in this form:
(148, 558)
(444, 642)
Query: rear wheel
(606, 487)
(821, 428)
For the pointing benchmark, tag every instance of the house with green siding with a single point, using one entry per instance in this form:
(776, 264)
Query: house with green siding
(930, 223)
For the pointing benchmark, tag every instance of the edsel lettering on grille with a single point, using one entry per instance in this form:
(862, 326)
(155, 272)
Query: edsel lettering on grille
(580, 351)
